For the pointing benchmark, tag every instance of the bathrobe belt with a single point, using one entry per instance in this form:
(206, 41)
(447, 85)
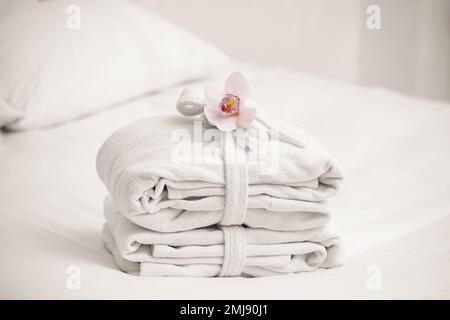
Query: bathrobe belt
(236, 186)
(236, 182)
(234, 256)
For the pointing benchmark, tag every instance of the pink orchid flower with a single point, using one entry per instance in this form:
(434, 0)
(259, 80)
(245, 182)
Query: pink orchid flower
(227, 110)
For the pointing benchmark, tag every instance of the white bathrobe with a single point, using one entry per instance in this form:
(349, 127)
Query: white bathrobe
(207, 214)
(200, 252)
(149, 186)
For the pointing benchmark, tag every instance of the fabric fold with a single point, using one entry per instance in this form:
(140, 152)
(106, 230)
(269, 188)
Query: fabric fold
(143, 174)
(188, 200)
(203, 252)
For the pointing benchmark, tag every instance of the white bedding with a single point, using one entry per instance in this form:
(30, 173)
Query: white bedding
(393, 210)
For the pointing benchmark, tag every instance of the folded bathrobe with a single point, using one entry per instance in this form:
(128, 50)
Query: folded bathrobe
(201, 252)
(175, 209)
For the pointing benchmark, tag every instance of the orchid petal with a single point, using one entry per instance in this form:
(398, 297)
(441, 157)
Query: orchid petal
(213, 97)
(245, 117)
(220, 120)
(227, 123)
(237, 86)
(213, 115)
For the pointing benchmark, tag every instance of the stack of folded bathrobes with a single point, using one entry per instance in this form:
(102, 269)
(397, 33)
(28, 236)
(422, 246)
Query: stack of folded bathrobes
(210, 217)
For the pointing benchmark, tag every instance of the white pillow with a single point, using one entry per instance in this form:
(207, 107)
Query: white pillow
(51, 72)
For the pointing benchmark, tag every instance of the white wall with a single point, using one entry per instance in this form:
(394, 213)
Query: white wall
(330, 38)
(317, 36)
(411, 52)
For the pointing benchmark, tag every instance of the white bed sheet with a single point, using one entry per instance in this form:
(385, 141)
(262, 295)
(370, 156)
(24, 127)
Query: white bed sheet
(393, 210)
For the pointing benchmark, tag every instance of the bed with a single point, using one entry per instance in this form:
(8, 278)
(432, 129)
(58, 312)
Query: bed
(393, 210)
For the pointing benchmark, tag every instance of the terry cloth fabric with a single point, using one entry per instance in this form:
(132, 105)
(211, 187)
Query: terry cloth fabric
(205, 207)
(236, 183)
(158, 189)
(214, 251)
